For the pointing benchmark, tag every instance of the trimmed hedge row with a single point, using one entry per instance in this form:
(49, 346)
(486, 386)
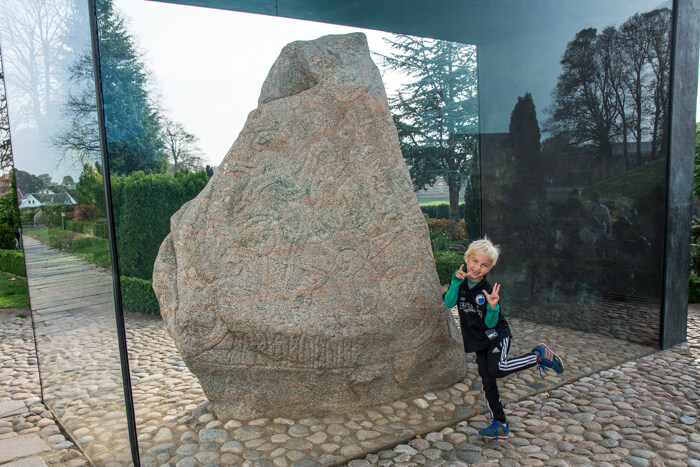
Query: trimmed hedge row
(138, 296)
(441, 211)
(446, 262)
(143, 205)
(12, 261)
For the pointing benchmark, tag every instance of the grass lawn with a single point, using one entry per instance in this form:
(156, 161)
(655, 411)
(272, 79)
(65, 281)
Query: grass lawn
(92, 249)
(436, 201)
(13, 291)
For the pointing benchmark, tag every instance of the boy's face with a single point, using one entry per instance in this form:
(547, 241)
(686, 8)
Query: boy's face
(477, 266)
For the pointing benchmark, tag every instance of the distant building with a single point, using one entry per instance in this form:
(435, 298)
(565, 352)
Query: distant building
(43, 198)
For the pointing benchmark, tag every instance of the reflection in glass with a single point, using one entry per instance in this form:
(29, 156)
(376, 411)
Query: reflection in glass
(575, 192)
(64, 233)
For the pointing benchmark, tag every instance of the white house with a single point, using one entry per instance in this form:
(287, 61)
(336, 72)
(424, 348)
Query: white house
(29, 202)
(33, 200)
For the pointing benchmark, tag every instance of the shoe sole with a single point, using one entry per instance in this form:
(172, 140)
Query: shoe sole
(551, 356)
(495, 437)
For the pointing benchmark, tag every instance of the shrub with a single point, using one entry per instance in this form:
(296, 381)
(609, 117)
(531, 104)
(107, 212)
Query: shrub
(694, 289)
(86, 212)
(138, 296)
(446, 262)
(439, 241)
(96, 228)
(12, 261)
(454, 230)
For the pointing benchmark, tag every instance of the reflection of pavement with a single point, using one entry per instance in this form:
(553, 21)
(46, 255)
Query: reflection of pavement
(568, 424)
(75, 329)
(29, 435)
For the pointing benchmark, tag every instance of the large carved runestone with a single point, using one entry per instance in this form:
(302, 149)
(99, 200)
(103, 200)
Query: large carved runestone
(301, 280)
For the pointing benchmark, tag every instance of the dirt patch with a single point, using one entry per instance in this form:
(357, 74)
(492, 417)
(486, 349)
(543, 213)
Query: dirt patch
(9, 313)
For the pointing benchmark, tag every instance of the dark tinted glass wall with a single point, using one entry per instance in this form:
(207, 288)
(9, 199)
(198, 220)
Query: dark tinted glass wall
(574, 178)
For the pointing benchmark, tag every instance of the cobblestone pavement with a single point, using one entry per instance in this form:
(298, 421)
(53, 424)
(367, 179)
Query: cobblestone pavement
(617, 403)
(29, 434)
(641, 413)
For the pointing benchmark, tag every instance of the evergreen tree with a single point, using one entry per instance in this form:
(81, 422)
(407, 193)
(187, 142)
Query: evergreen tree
(524, 147)
(524, 197)
(131, 120)
(90, 188)
(436, 114)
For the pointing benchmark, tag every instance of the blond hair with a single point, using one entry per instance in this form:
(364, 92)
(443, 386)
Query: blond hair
(484, 247)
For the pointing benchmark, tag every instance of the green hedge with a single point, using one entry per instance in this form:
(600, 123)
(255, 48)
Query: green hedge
(143, 205)
(446, 262)
(12, 261)
(138, 296)
(96, 228)
(694, 289)
(441, 211)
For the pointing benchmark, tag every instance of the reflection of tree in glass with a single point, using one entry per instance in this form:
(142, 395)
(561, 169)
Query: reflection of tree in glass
(614, 88)
(436, 114)
(131, 120)
(5, 145)
(39, 37)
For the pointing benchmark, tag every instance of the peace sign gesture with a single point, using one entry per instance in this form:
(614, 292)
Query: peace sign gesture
(492, 297)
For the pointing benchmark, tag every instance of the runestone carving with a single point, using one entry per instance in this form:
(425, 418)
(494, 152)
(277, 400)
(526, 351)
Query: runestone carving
(301, 279)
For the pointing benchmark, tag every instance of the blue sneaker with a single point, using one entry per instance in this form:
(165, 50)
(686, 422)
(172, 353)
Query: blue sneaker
(547, 359)
(496, 430)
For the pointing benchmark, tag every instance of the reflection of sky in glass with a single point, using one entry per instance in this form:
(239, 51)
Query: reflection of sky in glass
(37, 74)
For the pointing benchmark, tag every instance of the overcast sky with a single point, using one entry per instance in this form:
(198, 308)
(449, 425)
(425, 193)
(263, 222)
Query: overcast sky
(209, 65)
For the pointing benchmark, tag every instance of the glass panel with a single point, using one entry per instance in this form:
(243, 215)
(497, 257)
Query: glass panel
(51, 105)
(512, 162)
(574, 169)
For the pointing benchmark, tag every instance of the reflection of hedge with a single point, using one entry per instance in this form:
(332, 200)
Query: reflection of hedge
(446, 262)
(12, 261)
(143, 205)
(138, 296)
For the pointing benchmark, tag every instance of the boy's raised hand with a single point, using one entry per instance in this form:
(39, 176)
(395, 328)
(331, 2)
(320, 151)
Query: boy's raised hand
(460, 274)
(493, 297)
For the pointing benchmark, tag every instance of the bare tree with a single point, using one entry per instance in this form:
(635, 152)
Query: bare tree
(635, 51)
(5, 143)
(38, 35)
(657, 24)
(584, 100)
(181, 147)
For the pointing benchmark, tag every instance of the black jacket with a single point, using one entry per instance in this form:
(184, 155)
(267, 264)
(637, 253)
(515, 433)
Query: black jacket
(471, 305)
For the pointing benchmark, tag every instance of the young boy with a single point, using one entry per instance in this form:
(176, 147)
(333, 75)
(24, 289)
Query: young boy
(486, 332)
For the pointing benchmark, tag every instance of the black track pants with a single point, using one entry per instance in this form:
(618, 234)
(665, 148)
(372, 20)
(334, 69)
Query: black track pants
(493, 363)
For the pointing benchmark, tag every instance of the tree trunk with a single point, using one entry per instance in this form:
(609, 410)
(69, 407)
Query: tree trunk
(454, 185)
